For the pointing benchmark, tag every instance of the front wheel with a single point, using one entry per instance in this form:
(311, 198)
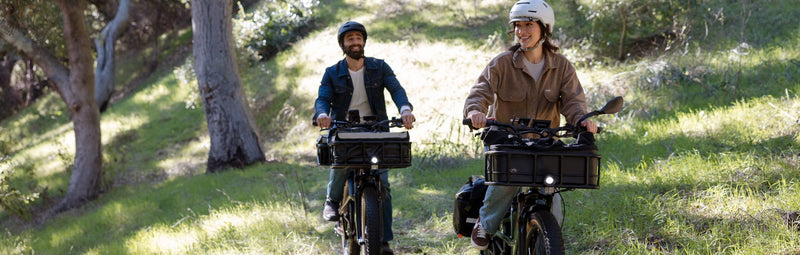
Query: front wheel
(542, 234)
(371, 221)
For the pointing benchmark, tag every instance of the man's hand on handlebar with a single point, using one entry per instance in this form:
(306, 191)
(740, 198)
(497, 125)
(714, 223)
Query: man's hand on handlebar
(478, 119)
(408, 119)
(324, 121)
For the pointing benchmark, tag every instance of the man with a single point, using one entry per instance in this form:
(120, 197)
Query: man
(358, 82)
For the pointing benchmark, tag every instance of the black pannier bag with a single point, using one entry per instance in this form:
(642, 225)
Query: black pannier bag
(323, 151)
(468, 203)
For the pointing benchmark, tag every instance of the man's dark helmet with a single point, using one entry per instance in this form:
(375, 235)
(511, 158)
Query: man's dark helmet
(351, 26)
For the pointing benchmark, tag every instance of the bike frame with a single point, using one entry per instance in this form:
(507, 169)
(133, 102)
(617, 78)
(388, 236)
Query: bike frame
(526, 205)
(529, 200)
(357, 181)
(362, 149)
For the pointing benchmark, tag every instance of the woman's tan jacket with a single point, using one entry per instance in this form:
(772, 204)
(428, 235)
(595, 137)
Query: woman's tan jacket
(518, 96)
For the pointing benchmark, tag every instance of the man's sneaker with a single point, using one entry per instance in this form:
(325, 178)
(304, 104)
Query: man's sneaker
(385, 250)
(331, 211)
(479, 239)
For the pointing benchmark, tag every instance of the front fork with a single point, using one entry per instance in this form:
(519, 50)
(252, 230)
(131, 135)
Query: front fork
(350, 208)
(522, 206)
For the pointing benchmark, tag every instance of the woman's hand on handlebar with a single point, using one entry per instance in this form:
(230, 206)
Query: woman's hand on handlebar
(590, 126)
(324, 121)
(478, 119)
(408, 119)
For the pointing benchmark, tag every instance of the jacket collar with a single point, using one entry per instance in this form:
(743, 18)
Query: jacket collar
(519, 62)
(369, 64)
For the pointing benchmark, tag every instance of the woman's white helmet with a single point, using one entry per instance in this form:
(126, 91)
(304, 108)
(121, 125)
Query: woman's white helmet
(533, 10)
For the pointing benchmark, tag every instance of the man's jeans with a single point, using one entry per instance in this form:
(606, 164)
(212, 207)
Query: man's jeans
(336, 190)
(498, 200)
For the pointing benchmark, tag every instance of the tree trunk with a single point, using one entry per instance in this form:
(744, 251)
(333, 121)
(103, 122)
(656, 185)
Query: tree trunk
(234, 139)
(104, 70)
(76, 88)
(11, 99)
(153, 64)
(84, 183)
(33, 86)
(623, 14)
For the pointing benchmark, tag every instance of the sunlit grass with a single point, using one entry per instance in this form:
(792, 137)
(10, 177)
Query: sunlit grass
(695, 166)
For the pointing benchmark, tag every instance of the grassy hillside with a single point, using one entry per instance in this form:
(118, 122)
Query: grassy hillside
(704, 159)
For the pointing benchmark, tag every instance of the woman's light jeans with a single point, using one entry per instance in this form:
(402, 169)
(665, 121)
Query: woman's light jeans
(498, 200)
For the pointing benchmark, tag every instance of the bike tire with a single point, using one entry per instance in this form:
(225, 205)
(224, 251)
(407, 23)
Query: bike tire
(542, 234)
(371, 221)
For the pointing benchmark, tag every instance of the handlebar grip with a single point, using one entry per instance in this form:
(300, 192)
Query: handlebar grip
(489, 122)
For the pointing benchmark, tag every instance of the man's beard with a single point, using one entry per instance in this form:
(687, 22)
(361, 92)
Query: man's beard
(355, 54)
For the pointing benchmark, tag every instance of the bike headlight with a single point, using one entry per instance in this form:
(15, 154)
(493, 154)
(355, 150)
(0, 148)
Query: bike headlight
(374, 160)
(549, 180)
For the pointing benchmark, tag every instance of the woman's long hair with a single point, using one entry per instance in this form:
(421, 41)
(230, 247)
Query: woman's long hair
(546, 45)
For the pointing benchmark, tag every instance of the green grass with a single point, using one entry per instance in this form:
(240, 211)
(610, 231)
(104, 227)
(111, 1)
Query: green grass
(702, 160)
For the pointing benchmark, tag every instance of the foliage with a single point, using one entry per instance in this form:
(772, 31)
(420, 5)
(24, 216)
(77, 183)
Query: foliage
(39, 20)
(273, 25)
(5, 143)
(620, 29)
(702, 160)
(12, 199)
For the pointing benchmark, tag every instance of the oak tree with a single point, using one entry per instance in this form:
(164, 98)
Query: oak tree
(234, 137)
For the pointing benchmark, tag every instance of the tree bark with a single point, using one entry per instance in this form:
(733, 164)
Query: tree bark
(234, 139)
(623, 13)
(84, 183)
(11, 99)
(104, 70)
(33, 86)
(76, 88)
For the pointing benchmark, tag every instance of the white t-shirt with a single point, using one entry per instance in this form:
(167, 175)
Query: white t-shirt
(359, 100)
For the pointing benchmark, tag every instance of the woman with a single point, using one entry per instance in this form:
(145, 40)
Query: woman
(530, 80)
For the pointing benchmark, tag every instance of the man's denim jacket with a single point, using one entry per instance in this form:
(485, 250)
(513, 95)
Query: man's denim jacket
(336, 89)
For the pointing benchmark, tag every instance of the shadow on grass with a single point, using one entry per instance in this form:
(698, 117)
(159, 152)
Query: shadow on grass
(630, 151)
(107, 224)
(666, 212)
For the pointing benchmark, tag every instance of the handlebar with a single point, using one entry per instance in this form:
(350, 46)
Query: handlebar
(544, 132)
(369, 125)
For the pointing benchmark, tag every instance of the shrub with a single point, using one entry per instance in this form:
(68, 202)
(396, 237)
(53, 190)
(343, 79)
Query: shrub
(620, 29)
(273, 25)
(11, 199)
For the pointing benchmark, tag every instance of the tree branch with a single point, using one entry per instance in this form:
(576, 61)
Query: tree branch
(104, 70)
(53, 69)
